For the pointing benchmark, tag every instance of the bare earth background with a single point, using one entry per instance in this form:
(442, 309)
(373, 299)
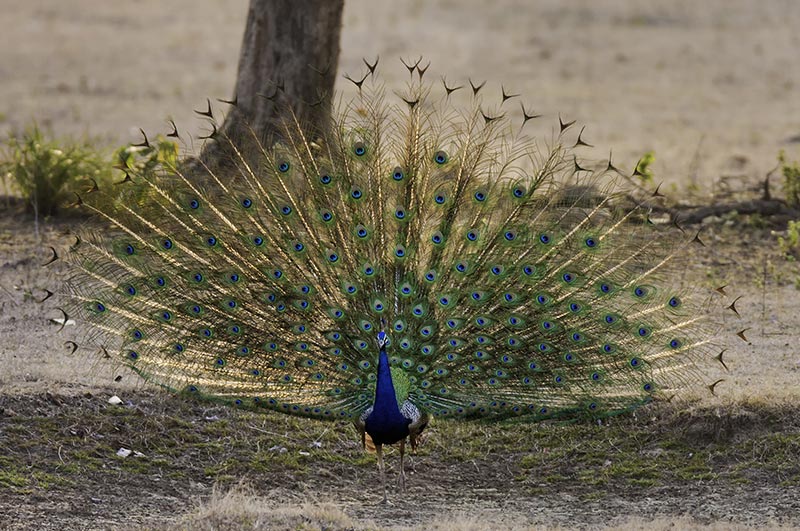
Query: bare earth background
(712, 87)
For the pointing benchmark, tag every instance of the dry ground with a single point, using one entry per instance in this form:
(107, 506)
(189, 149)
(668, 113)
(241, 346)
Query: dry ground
(709, 86)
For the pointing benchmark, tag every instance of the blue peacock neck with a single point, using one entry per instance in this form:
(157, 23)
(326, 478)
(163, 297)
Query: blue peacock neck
(386, 424)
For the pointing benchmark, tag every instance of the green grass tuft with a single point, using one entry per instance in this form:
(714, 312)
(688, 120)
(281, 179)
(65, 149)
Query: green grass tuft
(49, 173)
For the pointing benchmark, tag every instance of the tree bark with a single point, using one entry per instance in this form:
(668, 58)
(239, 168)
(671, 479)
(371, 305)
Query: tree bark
(288, 59)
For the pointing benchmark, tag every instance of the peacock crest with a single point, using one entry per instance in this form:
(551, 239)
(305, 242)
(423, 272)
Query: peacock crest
(505, 278)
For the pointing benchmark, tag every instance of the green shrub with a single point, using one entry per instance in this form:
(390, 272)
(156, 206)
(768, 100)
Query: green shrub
(643, 167)
(159, 155)
(47, 173)
(790, 245)
(156, 161)
(791, 179)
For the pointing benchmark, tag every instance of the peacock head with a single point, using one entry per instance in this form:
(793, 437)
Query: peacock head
(383, 339)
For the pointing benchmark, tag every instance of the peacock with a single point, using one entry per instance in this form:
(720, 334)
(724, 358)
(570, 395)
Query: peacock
(411, 259)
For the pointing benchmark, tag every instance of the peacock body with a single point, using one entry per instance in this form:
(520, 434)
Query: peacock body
(413, 260)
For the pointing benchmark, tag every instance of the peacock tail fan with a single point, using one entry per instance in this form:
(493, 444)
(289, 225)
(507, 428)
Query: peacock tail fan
(512, 281)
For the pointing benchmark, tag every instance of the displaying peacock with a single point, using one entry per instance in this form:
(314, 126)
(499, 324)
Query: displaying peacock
(412, 260)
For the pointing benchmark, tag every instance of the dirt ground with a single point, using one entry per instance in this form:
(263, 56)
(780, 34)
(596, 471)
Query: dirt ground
(649, 471)
(711, 87)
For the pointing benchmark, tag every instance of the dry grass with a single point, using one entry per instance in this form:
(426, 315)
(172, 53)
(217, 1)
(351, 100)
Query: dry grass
(242, 509)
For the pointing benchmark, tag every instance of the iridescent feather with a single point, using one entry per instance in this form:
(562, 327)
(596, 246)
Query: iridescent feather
(510, 282)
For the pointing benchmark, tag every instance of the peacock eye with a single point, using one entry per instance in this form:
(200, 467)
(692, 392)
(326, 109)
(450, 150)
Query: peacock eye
(359, 148)
(440, 157)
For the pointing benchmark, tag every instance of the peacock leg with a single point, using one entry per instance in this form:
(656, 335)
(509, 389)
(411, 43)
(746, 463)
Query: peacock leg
(382, 471)
(402, 468)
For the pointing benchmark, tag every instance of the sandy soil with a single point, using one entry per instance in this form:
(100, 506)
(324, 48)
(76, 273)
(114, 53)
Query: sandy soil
(709, 86)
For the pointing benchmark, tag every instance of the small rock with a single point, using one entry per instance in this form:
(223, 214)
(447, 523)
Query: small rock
(115, 400)
(303, 452)
(279, 449)
(124, 452)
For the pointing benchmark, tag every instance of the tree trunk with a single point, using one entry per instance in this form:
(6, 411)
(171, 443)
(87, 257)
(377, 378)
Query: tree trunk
(289, 58)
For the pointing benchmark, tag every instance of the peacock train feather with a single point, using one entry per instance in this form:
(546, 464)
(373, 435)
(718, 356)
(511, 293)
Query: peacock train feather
(413, 260)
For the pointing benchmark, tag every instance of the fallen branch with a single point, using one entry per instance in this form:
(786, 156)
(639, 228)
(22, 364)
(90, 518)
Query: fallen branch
(763, 207)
